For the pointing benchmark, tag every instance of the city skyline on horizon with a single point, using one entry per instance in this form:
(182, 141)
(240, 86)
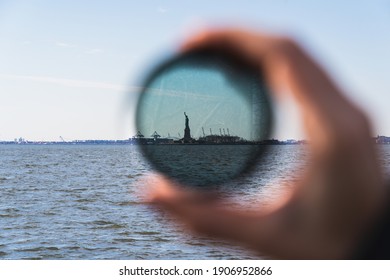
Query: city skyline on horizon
(379, 138)
(69, 69)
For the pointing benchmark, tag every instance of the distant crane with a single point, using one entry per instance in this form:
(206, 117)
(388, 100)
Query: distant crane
(211, 133)
(155, 135)
(220, 132)
(224, 133)
(204, 135)
(139, 135)
(228, 131)
(62, 139)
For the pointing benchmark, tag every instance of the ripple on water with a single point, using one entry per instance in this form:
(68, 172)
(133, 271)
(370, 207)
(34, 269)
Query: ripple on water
(124, 240)
(108, 225)
(129, 203)
(194, 243)
(132, 176)
(147, 232)
(10, 213)
(85, 200)
(38, 249)
(160, 239)
(3, 254)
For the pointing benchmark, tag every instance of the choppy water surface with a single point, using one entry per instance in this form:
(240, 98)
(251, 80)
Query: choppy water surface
(83, 202)
(202, 165)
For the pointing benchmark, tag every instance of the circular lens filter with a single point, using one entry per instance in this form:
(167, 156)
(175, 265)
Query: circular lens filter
(203, 116)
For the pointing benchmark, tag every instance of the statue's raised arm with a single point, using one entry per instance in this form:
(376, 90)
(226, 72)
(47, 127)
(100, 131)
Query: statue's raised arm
(186, 119)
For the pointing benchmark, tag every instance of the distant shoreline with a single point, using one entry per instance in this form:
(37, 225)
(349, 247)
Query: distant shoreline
(385, 140)
(128, 142)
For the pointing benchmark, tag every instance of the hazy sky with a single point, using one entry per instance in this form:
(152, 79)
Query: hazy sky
(70, 68)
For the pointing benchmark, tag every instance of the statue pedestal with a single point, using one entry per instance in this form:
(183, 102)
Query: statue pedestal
(187, 135)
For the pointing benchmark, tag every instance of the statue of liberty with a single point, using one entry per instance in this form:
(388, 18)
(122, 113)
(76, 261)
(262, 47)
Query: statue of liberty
(187, 133)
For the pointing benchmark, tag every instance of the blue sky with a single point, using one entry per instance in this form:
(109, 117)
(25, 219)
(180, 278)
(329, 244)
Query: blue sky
(70, 68)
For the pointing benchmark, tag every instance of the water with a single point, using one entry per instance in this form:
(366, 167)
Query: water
(202, 165)
(83, 202)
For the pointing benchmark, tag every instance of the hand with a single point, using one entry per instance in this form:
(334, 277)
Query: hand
(335, 200)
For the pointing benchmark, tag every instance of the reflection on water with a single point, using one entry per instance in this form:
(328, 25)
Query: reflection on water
(202, 165)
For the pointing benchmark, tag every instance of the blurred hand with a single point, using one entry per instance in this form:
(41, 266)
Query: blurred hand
(335, 200)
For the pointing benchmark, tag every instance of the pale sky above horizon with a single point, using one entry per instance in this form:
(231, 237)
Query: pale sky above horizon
(71, 68)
